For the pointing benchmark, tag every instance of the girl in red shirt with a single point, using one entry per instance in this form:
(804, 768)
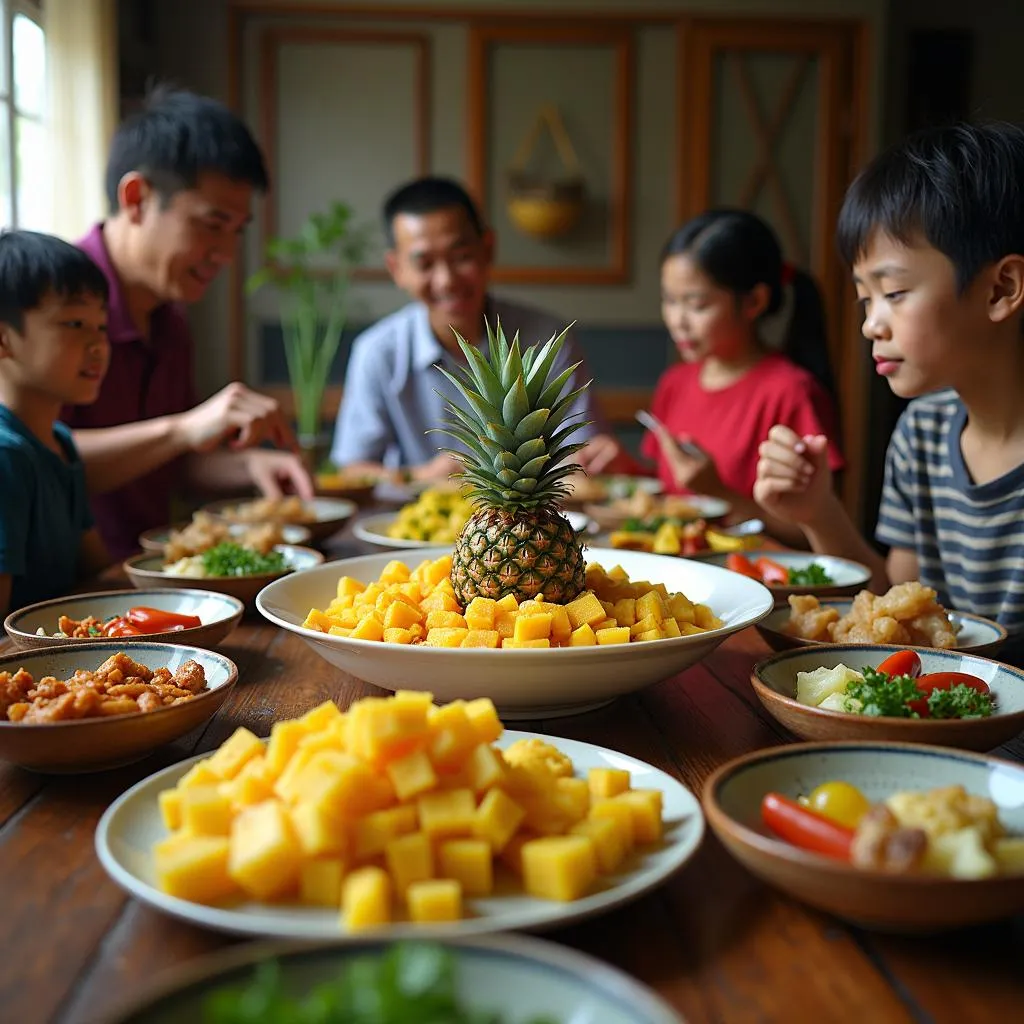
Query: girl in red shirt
(721, 274)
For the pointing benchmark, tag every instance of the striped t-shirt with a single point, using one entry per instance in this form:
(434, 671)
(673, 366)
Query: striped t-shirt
(968, 538)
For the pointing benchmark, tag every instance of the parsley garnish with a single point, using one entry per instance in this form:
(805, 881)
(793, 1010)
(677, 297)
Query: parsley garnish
(230, 559)
(812, 575)
(412, 983)
(960, 701)
(882, 696)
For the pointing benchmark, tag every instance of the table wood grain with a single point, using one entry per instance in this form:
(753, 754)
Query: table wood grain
(713, 941)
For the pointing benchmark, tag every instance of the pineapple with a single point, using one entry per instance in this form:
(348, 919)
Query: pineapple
(513, 419)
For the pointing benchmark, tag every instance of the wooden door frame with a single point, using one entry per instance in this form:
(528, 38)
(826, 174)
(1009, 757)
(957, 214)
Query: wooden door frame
(844, 87)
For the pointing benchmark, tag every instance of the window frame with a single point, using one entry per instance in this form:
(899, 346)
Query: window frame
(9, 9)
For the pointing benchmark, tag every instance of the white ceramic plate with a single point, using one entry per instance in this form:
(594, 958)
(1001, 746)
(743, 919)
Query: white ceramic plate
(296, 557)
(847, 577)
(374, 530)
(523, 683)
(521, 977)
(156, 539)
(132, 824)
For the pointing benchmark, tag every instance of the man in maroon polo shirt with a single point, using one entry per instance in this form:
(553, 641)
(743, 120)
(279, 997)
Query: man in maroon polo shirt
(180, 181)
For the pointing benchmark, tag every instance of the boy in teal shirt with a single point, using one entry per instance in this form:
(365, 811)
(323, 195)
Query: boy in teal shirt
(53, 352)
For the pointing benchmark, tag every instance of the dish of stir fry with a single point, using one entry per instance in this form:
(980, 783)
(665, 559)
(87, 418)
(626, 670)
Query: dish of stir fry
(139, 621)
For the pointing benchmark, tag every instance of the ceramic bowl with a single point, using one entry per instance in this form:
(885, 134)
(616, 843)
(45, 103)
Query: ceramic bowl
(156, 539)
(219, 614)
(146, 571)
(584, 488)
(976, 635)
(93, 744)
(338, 484)
(329, 514)
(523, 683)
(774, 682)
(610, 516)
(847, 577)
(374, 530)
(494, 973)
(874, 899)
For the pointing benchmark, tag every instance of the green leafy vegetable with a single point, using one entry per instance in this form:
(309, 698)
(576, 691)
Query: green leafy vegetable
(960, 701)
(812, 575)
(230, 559)
(883, 696)
(413, 983)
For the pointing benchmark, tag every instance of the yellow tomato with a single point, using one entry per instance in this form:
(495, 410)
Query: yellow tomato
(839, 801)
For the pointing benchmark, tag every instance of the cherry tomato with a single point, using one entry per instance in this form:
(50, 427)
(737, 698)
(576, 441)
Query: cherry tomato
(692, 546)
(741, 564)
(902, 663)
(943, 681)
(806, 828)
(840, 801)
(156, 620)
(771, 572)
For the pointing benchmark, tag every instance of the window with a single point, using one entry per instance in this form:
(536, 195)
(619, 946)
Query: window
(24, 181)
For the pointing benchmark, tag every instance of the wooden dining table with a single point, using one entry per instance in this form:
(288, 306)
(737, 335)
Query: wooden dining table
(715, 942)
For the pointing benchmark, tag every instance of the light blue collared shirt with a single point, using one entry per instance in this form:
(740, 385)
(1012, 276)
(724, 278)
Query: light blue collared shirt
(391, 387)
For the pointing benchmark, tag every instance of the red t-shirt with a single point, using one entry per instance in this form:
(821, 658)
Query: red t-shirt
(730, 423)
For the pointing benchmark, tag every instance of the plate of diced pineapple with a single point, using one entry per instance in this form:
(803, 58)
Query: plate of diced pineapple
(437, 516)
(641, 618)
(401, 817)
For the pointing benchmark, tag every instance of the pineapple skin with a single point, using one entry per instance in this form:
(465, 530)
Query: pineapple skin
(526, 553)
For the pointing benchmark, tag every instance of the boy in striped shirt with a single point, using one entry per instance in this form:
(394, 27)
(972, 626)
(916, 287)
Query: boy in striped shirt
(934, 231)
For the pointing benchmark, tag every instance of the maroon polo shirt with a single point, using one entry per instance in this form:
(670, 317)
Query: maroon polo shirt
(147, 377)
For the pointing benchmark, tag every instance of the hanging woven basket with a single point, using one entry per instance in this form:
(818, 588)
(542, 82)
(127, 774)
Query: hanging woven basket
(546, 207)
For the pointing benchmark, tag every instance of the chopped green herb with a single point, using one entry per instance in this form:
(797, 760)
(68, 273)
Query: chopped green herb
(960, 701)
(883, 696)
(412, 983)
(230, 559)
(812, 575)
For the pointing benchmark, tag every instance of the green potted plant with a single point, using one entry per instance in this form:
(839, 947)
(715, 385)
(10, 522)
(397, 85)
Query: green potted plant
(312, 272)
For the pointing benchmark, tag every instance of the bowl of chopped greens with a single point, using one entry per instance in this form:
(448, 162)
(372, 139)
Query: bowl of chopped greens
(507, 979)
(226, 568)
(795, 572)
(887, 692)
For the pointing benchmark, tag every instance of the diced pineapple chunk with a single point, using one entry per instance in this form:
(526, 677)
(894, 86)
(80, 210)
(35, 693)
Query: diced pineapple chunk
(170, 808)
(480, 613)
(559, 867)
(610, 844)
(645, 806)
(410, 859)
(482, 638)
(583, 636)
(445, 637)
(607, 782)
(532, 627)
(452, 735)
(320, 882)
(469, 862)
(411, 775)
(447, 813)
(612, 635)
(483, 716)
(372, 833)
(436, 900)
(497, 819)
(483, 768)
(205, 811)
(194, 867)
(585, 608)
(265, 855)
(366, 898)
(232, 754)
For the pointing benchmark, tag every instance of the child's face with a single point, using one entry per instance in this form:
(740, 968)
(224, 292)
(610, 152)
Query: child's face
(914, 317)
(62, 351)
(703, 318)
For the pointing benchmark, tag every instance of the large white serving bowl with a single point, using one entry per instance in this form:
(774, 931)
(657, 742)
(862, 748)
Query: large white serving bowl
(523, 683)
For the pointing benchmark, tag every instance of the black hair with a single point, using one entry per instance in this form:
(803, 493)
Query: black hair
(957, 186)
(428, 195)
(34, 265)
(739, 251)
(177, 136)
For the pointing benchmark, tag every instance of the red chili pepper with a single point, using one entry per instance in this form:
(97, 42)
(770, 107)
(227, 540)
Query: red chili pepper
(771, 572)
(120, 627)
(902, 663)
(741, 564)
(943, 681)
(806, 829)
(156, 620)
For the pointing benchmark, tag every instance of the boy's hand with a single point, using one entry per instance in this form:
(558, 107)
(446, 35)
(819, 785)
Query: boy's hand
(794, 482)
(235, 413)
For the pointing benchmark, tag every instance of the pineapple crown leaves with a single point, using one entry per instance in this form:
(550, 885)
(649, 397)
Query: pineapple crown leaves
(516, 423)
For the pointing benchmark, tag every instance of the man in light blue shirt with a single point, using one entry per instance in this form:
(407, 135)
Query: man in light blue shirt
(440, 253)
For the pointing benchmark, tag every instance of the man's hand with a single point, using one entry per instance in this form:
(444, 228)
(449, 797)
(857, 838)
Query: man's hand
(275, 473)
(238, 415)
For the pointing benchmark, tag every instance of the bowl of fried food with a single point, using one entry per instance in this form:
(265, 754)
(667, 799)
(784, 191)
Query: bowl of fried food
(82, 709)
(205, 531)
(888, 836)
(201, 618)
(226, 568)
(321, 516)
(891, 692)
(908, 613)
